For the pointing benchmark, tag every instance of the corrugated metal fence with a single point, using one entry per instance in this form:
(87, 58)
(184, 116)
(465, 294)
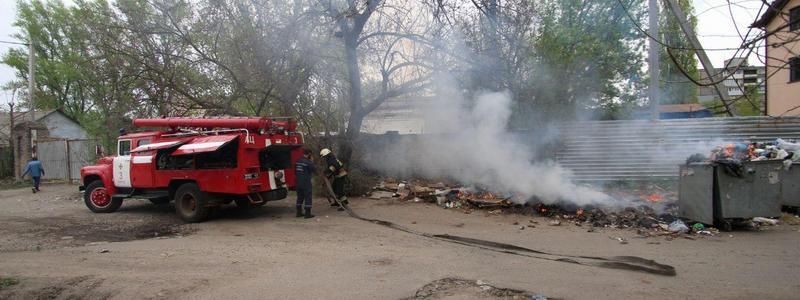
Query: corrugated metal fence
(63, 159)
(644, 149)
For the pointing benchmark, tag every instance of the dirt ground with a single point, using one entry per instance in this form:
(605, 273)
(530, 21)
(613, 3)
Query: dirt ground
(52, 247)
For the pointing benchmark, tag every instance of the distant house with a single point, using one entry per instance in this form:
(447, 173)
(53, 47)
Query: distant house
(683, 111)
(781, 24)
(678, 111)
(740, 78)
(401, 115)
(51, 125)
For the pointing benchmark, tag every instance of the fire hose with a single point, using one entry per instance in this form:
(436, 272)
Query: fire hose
(631, 263)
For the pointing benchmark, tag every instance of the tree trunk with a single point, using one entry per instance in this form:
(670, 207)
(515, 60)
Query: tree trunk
(354, 102)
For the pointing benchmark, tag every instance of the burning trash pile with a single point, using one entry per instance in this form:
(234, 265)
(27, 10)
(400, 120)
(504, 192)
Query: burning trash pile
(653, 213)
(780, 149)
(444, 195)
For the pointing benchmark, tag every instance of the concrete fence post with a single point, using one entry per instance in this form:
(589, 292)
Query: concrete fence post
(69, 160)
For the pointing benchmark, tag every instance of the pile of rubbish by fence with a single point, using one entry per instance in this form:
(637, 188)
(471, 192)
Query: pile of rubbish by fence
(652, 212)
(788, 152)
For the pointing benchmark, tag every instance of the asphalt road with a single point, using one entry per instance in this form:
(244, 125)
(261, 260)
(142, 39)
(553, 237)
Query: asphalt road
(58, 249)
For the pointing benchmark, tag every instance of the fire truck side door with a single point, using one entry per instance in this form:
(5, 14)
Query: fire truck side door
(142, 166)
(122, 164)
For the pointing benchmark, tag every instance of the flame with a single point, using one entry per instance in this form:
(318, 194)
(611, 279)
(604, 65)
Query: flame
(654, 198)
(543, 209)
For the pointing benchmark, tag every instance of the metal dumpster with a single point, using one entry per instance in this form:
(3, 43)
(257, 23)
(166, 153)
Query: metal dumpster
(696, 192)
(790, 186)
(713, 195)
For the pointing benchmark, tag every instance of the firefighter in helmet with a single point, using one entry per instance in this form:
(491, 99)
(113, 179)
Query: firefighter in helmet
(304, 169)
(335, 170)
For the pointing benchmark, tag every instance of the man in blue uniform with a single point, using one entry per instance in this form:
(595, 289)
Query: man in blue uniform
(304, 169)
(36, 170)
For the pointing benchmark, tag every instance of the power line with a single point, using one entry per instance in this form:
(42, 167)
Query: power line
(13, 43)
(664, 44)
(744, 46)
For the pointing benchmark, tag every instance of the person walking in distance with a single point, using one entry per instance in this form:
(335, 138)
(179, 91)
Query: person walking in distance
(304, 170)
(335, 169)
(36, 170)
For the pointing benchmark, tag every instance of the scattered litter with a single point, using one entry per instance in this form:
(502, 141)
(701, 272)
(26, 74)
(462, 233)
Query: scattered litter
(765, 221)
(379, 194)
(555, 223)
(678, 227)
(790, 219)
(620, 240)
(105, 251)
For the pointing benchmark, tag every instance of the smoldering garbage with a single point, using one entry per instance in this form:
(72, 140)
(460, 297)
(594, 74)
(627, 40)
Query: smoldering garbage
(653, 210)
(444, 195)
(730, 156)
(469, 199)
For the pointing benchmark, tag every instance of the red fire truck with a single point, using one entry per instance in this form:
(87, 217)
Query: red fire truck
(200, 163)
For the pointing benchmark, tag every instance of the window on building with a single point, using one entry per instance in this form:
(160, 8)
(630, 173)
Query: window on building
(794, 18)
(794, 69)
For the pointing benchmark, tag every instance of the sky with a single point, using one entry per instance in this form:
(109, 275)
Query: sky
(716, 29)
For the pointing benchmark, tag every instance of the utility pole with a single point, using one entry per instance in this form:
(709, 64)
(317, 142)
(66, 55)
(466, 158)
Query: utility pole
(716, 77)
(31, 82)
(31, 89)
(654, 64)
(15, 169)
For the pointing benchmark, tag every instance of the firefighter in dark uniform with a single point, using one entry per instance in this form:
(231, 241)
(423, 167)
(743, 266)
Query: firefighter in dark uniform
(335, 170)
(304, 169)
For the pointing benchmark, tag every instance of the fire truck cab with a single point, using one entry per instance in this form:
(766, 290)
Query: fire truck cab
(200, 163)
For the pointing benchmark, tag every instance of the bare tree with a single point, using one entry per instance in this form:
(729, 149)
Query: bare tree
(382, 42)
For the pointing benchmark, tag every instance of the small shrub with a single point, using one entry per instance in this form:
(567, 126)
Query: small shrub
(6, 282)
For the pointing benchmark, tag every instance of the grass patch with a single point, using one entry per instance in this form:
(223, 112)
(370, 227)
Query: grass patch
(6, 282)
(10, 184)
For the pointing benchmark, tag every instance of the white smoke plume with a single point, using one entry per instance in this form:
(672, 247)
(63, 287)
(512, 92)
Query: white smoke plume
(467, 140)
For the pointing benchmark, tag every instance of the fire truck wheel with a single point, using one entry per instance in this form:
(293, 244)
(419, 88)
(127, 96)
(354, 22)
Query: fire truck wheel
(98, 200)
(191, 204)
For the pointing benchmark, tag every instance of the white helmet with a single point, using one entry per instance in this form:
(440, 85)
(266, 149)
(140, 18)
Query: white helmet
(324, 152)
